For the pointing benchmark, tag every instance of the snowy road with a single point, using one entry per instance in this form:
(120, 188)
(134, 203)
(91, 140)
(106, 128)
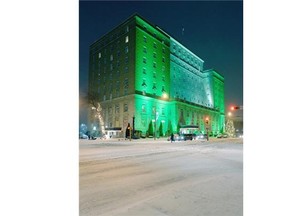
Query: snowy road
(161, 178)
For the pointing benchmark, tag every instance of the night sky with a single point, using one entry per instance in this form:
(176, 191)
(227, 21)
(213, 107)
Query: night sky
(213, 30)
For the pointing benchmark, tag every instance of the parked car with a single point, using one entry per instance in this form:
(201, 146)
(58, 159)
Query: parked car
(189, 136)
(178, 137)
(83, 136)
(220, 135)
(201, 136)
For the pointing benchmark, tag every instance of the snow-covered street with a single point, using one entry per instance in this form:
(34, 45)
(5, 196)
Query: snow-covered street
(157, 177)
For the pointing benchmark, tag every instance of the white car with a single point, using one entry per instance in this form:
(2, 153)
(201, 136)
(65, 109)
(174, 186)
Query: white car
(83, 136)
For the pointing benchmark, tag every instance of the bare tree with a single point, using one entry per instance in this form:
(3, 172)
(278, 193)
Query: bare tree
(93, 102)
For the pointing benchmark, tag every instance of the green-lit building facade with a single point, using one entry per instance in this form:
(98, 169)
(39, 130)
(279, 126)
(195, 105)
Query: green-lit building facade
(138, 70)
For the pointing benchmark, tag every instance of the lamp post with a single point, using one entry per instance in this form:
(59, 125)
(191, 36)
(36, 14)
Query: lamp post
(133, 126)
(155, 124)
(207, 129)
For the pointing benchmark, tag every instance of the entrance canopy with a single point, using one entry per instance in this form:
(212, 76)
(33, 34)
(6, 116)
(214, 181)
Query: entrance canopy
(188, 129)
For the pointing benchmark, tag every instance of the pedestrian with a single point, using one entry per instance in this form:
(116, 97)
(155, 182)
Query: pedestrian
(172, 137)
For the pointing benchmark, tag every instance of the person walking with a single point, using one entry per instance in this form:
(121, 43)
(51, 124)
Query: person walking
(172, 137)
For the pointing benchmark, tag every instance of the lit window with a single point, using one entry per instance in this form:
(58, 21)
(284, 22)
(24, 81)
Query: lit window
(99, 55)
(127, 39)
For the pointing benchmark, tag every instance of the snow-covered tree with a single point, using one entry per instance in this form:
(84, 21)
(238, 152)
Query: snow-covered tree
(230, 130)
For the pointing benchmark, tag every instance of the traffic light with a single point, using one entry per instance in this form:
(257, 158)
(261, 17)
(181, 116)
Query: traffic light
(235, 107)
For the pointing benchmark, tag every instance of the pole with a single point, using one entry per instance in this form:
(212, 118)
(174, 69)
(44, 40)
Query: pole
(133, 126)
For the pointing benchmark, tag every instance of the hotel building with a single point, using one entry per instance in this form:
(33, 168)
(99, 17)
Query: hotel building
(139, 72)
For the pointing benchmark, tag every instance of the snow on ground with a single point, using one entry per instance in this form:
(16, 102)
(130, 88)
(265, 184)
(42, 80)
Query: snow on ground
(157, 177)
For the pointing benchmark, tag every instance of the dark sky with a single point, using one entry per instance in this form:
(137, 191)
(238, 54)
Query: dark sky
(213, 30)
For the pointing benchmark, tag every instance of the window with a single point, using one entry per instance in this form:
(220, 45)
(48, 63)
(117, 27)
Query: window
(144, 70)
(163, 68)
(125, 107)
(163, 78)
(126, 39)
(144, 49)
(126, 49)
(154, 55)
(163, 111)
(126, 60)
(117, 86)
(163, 50)
(154, 74)
(144, 60)
(117, 108)
(145, 39)
(126, 69)
(163, 59)
(143, 108)
(111, 57)
(99, 55)
(127, 29)
(154, 45)
(154, 86)
(154, 64)
(163, 89)
(126, 83)
(144, 83)
(118, 53)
